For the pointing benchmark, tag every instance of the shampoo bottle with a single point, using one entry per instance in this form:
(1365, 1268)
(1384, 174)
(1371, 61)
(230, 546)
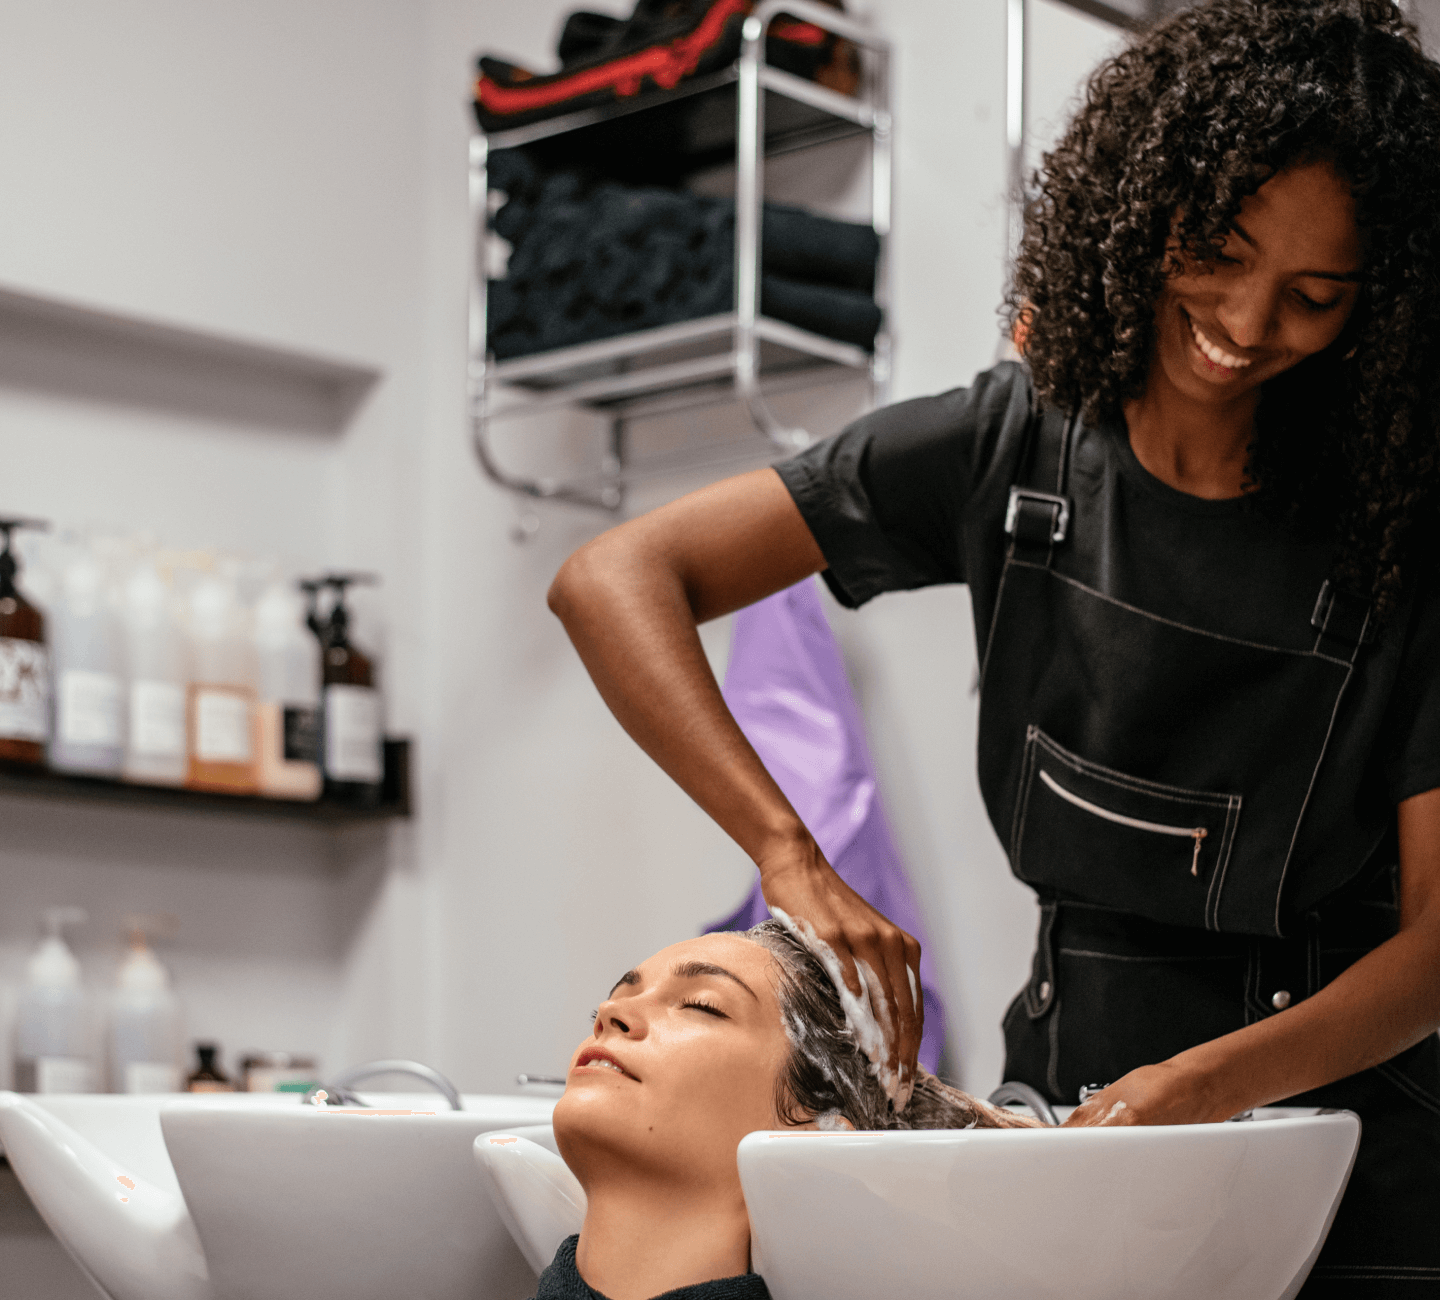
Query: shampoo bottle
(288, 714)
(89, 706)
(144, 1023)
(221, 702)
(24, 665)
(353, 717)
(53, 1027)
(155, 663)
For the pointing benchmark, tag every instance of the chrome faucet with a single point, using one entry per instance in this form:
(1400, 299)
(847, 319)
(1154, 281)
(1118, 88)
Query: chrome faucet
(340, 1092)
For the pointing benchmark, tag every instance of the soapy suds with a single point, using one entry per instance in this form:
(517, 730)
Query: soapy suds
(1114, 1110)
(867, 1015)
(832, 1121)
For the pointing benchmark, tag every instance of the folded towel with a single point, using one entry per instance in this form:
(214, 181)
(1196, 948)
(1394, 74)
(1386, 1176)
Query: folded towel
(595, 260)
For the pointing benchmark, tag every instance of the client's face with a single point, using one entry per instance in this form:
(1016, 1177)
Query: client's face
(681, 1064)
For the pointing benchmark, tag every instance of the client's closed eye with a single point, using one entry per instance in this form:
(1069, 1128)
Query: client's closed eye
(709, 1007)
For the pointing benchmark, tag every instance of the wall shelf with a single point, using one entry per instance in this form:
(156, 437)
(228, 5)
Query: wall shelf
(40, 783)
(56, 345)
(744, 113)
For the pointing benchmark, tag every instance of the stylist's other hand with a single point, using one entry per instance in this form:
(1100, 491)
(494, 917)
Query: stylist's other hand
(802, 885)
(1154, 1094)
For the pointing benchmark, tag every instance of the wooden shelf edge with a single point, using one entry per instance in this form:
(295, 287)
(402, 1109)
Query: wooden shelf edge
(41, 783)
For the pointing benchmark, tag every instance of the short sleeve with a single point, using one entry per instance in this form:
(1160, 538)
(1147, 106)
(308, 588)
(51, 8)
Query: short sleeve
(885, 498)
(1410, 744)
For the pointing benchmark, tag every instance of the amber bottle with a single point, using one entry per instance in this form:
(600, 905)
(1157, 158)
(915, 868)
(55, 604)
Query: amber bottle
(24, 663)
(353, 750)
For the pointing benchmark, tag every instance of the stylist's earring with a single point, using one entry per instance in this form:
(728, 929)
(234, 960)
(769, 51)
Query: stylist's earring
(1350, 356)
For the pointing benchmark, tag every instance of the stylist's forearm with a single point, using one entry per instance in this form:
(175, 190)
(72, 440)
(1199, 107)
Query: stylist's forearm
(631, 601)
(1387, 1001)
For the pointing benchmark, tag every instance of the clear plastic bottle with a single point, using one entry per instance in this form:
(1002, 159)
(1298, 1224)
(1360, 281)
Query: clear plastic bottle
(288, 714)
(220, 708)
(53, 1027)
(144, 1023)
(155, 666)
(88, 736)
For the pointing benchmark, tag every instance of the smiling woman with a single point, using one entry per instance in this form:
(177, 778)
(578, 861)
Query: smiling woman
(701, 1044)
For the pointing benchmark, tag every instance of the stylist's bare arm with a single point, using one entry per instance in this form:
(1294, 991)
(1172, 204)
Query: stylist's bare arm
(631, 601)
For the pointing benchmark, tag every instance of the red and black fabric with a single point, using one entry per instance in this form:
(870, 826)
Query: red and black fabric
(663, 43)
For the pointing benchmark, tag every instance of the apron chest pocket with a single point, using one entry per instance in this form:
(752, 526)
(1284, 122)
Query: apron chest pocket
(1091, 833)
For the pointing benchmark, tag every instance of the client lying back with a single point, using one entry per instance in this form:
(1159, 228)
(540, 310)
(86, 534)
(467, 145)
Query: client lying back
(705, 1042)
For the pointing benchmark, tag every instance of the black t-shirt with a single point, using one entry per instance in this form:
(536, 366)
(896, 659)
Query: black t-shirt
(562, 1281)
(915, 495)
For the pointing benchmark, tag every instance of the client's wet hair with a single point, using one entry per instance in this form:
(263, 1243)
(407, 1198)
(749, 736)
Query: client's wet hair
(828, 1074)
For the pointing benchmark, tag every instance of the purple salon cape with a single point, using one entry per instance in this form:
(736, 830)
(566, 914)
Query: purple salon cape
(786, 686)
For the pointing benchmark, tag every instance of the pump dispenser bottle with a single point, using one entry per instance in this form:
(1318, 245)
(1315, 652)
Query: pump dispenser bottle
(287, 729)
(155, 664)
(221, 702)
(89, 705)
(144, 1023)
(353, 752)
(24, 664)
(53, 1028)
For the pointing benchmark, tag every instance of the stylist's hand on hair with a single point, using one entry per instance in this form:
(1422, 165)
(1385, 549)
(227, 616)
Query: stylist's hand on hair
(803, 891)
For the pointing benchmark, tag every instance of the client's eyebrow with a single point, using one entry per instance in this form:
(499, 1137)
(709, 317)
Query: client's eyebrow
(692, 969)
(629, 977)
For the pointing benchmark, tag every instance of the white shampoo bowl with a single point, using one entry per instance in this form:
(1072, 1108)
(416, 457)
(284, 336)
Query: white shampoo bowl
(1190, 1212)
(254, 1197)
(537, 1197)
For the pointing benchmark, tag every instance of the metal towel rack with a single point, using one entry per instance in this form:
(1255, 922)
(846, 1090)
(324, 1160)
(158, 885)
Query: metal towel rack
(739, 355)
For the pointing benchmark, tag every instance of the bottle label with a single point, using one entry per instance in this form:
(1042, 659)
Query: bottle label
(352, 734)
(300, 741)
(89, 708)
(151, 1076)
(24, 690)
(222, 727)
(157, 720)
(62, 1074)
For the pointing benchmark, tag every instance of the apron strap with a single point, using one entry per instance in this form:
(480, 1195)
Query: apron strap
(1038, 515)
(1342, 620)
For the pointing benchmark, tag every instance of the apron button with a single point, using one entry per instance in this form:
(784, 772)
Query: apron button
(1281, 1000)
(1044, 990)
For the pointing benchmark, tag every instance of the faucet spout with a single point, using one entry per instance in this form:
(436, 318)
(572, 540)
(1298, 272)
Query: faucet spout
(340, 1090)
(134, 1240)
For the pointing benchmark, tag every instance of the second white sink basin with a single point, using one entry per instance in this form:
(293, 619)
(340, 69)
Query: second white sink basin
(286, 1200)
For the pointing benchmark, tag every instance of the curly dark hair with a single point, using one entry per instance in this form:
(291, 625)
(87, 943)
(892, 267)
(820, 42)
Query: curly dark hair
(1191, 119)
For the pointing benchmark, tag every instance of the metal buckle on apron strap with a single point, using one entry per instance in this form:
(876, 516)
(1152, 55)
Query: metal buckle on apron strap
(1342, 616)
(1037, 518)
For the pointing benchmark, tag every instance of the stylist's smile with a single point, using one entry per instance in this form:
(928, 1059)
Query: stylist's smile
(1212, 351)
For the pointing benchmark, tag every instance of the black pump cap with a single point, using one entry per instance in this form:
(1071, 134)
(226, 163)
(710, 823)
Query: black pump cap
(9, 566)
(332, 630)
(206, 1053)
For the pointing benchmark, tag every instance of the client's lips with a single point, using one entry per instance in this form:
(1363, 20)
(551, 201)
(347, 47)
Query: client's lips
(599, 1059)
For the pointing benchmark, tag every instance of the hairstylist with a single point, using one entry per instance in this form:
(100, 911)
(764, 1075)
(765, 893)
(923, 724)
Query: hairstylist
(1199, 529)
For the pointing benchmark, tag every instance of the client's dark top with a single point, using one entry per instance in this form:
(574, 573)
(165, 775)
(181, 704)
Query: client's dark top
(562, 1281)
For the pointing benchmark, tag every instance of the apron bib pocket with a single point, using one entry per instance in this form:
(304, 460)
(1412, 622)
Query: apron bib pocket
(1087, 831)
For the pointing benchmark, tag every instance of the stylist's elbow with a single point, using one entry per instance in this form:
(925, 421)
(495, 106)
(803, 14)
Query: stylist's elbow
(590, 573)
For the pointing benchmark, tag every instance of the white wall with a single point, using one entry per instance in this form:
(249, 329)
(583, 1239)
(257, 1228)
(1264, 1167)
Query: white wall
(296, 174)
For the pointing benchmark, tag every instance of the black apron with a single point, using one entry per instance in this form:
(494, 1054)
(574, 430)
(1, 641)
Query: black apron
(1149, 780)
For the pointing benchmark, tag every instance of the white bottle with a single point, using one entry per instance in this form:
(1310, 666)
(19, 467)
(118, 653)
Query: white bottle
(288, 727)
(221, 703)
(52, 1024)
(88, 735)
(144, 1024)
(155, 665)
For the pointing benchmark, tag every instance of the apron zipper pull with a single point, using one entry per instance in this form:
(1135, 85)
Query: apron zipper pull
(1199, 833)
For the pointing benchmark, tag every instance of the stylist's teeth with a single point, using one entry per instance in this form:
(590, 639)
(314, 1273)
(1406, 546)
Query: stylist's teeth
(1216, 354)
